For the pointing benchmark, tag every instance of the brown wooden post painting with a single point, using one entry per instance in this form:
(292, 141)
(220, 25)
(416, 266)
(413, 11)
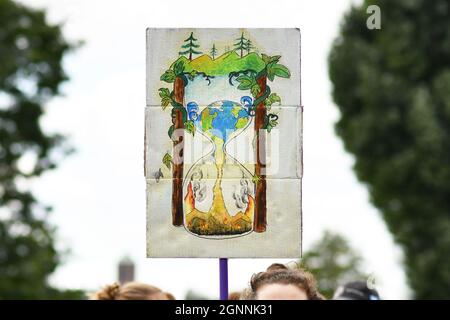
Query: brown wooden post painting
(259, 224)
(178, 147)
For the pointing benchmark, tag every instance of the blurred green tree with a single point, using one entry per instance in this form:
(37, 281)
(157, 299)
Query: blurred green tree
(194, 295)
(31, 53)
(333, 262)
(392, 87)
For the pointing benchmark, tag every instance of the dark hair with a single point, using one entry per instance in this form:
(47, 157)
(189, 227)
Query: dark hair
(280, 274)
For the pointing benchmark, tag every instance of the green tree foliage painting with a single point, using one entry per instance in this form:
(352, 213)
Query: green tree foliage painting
(392, 87)
(30, 50)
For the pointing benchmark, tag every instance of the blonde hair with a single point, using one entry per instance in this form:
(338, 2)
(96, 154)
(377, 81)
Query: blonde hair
(131, 291)
(235, 295)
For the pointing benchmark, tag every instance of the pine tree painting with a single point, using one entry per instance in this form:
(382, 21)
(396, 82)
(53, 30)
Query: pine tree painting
(190, 45)
(241, 45)
(213, 52)
(249, 46)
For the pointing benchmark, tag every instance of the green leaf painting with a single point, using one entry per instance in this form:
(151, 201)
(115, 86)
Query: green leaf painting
(168, 76)
(280, 71)
(255, 89)
(245, 82)
(190, 127)
(167, 160)
(178, 67)
(166, 99)
(270, 121)
(272, 98)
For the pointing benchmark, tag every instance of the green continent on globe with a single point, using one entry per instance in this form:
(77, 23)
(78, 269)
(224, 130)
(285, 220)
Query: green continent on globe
(241, 123)
(235, 110)
(207, 119)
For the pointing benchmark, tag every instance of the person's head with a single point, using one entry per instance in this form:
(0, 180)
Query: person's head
(356, 290)
(131, 291)
(281, 283)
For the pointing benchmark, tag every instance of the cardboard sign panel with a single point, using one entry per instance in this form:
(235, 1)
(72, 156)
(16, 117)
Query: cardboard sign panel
(223, 143)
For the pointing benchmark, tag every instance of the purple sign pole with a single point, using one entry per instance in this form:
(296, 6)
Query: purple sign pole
(223, 270)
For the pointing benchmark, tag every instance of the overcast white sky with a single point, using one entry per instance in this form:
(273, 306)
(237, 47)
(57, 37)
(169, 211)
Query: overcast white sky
(98, 194)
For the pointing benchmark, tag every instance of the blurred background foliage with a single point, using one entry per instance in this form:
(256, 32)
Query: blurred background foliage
(392, 87)
(333, 262)
(31, 54)
(194, 295)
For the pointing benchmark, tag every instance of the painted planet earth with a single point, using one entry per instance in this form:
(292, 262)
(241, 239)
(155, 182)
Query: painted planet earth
(222, 118)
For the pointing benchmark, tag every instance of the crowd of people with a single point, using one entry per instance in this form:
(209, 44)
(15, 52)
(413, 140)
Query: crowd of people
(278, 282)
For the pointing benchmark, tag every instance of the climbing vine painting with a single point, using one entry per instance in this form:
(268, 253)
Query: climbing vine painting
(223, 157)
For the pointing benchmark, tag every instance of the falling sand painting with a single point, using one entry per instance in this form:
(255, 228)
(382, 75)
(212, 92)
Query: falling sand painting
(223, 148)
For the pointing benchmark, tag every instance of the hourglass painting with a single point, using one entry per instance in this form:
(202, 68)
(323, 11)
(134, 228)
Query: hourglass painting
(219, 122)
(223, 143)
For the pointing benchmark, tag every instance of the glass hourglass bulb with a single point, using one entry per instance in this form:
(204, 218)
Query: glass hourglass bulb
(218, 189)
